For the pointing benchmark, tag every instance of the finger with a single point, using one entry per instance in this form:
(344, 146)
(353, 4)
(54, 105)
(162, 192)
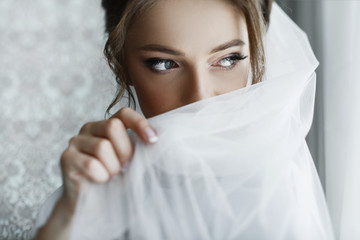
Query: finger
(75, 163)
(99, 148)
(114, 130)
(137, 123)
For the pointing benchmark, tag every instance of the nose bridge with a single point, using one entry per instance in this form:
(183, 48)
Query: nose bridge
(199, 85)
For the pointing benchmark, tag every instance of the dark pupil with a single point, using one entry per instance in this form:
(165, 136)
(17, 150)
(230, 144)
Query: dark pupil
(230, 59)
(169, 64)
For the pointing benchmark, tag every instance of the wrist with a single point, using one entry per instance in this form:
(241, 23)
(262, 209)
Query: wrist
(58, 225)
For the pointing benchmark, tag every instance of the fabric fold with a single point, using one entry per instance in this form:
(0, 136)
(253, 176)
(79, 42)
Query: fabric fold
(235, 166)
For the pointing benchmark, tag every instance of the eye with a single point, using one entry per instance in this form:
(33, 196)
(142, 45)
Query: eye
(160, 65)
(230, 62)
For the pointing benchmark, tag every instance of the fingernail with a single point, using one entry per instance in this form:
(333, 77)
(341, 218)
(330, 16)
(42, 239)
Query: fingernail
(125, 167)
(151, 135)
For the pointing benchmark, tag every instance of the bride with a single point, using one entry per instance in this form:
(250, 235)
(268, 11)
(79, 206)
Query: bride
(219, 152)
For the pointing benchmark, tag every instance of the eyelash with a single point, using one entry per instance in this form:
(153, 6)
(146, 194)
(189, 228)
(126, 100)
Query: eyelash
(235, 57)
(152, 62)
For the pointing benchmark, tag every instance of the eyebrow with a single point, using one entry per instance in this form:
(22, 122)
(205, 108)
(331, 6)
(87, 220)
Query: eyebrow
(164, 49)
(232, 43)
(160, 48)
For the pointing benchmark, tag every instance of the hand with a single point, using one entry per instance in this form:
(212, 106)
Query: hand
(100, 151)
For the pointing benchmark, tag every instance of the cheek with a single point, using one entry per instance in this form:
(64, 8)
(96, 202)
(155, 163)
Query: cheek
(226, 81)
(154, 95)
(159, 93)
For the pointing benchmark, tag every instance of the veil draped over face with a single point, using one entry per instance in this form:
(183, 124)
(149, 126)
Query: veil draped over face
(234, 166)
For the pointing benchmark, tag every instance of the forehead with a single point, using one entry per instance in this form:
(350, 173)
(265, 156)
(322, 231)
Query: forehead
(189, 25)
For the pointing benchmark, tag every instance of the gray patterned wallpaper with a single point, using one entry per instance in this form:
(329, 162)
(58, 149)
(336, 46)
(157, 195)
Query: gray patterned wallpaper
(53, 79)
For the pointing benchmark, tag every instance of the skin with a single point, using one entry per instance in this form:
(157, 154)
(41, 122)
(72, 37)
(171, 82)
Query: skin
(198, 72)
(196, 65)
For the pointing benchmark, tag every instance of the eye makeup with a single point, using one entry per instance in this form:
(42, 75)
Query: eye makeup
(162, 65)
(229, 62)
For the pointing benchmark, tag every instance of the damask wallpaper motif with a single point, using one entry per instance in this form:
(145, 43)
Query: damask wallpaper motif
(53, 79)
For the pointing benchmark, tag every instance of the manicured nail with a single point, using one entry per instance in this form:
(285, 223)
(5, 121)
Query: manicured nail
(151, 135)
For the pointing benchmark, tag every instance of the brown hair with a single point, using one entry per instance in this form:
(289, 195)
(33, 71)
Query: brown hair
(120, 14)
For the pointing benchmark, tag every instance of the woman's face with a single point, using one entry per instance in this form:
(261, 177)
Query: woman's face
(182, 51)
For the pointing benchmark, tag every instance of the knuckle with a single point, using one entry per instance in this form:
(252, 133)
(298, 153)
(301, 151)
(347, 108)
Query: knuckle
(85, 127)
(87, 164)
(100, 146)
(125, 155)
(141, 123)
(72, 141)
(64, 158)
(122, 113)
(124, 110)
(112, 125)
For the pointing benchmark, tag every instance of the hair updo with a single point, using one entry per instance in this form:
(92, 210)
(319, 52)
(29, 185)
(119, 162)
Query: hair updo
(120, 14)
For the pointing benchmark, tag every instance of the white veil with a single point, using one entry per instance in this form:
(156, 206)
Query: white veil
(235, 166)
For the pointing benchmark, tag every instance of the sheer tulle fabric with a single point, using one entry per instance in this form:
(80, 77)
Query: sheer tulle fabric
(235, 166)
